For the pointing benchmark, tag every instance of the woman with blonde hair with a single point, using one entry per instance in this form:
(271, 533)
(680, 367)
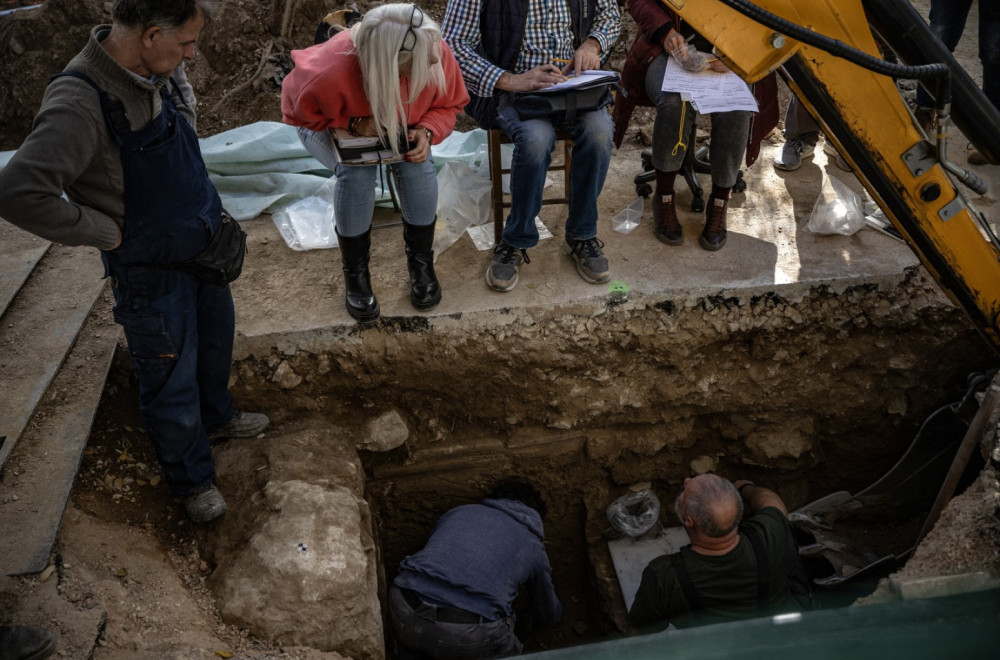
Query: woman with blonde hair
(389, 76)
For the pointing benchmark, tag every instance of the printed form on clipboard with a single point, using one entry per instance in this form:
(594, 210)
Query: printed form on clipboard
(709, 91)
(589, 78)
(363, 150)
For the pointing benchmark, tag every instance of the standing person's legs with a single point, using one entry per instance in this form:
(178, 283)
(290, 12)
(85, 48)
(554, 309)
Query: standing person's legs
(947, 21)
(216, 328)
(158, 310)
(801, 134)
(989, 49)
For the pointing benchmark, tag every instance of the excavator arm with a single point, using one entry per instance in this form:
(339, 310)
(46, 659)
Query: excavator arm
(816, 44)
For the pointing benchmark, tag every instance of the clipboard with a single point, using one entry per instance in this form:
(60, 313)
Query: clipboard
(360, 150)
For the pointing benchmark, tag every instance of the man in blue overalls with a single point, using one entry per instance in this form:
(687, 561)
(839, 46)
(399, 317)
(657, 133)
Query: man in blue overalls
(116, 133)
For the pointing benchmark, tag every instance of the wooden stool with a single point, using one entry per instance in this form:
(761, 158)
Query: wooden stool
(495, 138)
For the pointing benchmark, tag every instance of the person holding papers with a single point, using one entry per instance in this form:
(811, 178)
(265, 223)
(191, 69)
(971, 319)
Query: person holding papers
(508, 47)
(663, 37)
(392, 81)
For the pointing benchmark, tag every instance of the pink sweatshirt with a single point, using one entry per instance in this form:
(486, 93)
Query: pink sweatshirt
(324, 90)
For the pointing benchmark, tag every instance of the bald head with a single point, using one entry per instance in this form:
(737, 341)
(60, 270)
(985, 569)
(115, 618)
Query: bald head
(710, 504)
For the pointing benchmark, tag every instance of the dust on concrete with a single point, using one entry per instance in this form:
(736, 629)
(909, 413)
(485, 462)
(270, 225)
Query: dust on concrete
(129, 567)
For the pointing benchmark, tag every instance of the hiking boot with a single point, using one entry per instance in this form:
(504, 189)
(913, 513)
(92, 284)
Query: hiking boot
(205, 504)
(976, 157)
(793, 153)
(666, 226)
(242, 425)
(831, 150)
(502, 273)
(589, 259)
(713, 237)
(25, 643)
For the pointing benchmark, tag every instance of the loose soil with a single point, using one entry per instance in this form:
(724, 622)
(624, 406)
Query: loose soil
(126, 547)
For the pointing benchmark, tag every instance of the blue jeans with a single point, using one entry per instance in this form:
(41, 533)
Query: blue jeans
(534, 140)
(180, 335)
(354, 190)
(947, 21)
(417, 634)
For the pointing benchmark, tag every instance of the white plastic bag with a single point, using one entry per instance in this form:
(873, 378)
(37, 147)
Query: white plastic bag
(634, 514)
(837, 209)
(463, 198)
(308, 224)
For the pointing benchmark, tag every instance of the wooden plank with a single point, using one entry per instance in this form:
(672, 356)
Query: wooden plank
(41, 471)
(19, 252)
(38, 329)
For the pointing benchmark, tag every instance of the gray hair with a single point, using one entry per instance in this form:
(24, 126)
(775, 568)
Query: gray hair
(166, 14)
(379, 41)
(707, 507)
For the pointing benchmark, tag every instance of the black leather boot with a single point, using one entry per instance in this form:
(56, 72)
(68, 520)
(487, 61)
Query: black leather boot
(355, 251)
(425, 292)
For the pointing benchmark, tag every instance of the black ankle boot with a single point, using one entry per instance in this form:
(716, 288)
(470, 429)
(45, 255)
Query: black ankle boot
(355, 251)
(425, 292)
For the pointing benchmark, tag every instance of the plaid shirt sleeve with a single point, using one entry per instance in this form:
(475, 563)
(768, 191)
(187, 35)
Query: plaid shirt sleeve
(607, 26)
(461, 30)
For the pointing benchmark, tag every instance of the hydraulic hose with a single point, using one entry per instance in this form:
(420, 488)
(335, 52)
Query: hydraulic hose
(840, 49)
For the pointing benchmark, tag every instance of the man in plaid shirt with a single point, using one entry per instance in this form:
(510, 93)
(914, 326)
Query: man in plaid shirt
(506, 47)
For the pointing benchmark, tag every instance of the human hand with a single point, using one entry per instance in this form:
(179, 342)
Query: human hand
(421, 137)
(587, 56)
(717, 65)
(673, 41)
(540, 77)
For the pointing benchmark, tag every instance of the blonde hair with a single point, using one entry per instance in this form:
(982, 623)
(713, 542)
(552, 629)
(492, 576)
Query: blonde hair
(378, 43)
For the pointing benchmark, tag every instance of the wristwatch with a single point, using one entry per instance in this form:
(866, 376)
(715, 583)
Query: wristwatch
(429, 133)
(352, 125)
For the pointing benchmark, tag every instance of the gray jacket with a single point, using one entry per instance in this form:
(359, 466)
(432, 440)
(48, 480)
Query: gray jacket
(70, 150)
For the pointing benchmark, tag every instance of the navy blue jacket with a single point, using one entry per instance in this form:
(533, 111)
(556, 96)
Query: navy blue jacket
(479, 556)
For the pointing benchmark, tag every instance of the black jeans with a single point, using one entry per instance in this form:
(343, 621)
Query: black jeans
(416, 633)
(947, 20)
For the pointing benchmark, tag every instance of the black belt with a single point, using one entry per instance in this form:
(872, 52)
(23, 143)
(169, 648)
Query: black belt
(442, 614)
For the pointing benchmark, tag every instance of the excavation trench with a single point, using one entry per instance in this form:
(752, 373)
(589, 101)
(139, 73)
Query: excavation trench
(383, 430)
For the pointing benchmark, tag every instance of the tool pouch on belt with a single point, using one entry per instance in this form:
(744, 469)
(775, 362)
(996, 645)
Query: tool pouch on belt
(221, 261)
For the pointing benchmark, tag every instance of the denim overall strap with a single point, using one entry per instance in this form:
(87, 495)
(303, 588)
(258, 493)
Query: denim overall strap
(179, 329)
(171, 206)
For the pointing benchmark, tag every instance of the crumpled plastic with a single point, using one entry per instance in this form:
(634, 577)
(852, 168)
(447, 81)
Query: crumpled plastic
(634, 514)
(837, 209)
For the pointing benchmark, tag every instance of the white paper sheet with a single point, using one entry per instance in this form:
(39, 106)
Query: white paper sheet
(709, 91)
(588, 78)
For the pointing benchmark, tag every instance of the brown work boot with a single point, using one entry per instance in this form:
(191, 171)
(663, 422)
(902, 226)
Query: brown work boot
(666, 226)
(713, 237)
